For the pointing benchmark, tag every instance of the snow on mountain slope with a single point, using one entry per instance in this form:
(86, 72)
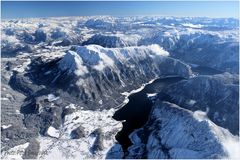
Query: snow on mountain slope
(73, 63)
(94, 138)
(100, 58)
(84, 134)
(174, 132)
(217, 94)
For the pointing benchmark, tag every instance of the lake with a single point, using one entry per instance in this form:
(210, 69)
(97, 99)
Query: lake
(136, 111)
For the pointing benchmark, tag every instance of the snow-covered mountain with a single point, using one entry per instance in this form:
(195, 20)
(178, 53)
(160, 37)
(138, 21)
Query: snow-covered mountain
(177, 133)
(218, 95)
(64, 78)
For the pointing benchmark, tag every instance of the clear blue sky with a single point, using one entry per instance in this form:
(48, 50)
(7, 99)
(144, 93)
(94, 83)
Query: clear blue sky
(166, 8)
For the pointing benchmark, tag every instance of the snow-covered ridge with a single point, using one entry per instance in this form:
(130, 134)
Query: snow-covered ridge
(98, 57)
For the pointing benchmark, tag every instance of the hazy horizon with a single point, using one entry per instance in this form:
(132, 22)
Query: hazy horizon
(43, 9)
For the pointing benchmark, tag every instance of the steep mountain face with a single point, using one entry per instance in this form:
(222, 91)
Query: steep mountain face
(91, 74)
(217, 95)
(174, 132)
